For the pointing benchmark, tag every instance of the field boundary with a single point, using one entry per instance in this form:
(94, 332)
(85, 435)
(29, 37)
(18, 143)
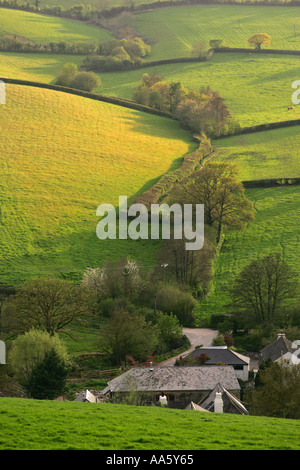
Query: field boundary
(254, 51)
(94, 96)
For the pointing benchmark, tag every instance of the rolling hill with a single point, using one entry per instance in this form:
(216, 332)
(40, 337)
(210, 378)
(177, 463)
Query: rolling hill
(173, 31)
(44, 29)
(100, 426)
(60, 157)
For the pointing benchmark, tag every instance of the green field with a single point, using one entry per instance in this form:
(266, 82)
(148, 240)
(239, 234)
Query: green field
(173, 31)
(44, 29)
(41, 425)
(262, 155)
(60, 157)
(42, 68)
(275, 230)
(254, 93)
(256, 89)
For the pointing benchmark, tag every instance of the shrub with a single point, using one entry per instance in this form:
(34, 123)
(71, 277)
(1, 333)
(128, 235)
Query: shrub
(86, 81)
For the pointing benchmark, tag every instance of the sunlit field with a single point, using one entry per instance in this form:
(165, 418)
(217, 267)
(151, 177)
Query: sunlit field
(63, 155)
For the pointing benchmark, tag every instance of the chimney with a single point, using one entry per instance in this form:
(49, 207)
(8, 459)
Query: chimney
(151, 366)
(281, 334)
(218, 408)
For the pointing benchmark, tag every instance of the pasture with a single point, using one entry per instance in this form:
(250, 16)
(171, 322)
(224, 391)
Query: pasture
(101, 426)
(173, 31)
(275, 230)
(44, 29)
(253, 91)
(262, 155)
(63, 155)
(256, 89)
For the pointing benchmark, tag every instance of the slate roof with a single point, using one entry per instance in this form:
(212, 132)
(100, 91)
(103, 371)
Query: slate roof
(222, 354)
(208, 403)
(277, 348)
(170, 378)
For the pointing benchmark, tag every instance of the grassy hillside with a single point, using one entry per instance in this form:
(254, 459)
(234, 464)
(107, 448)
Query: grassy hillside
(60, 157)
(91, 426)
(269, 154)
(42, 68)
(275, 230)
(256, 89)
(44, 29)
(173, 31)
(253, 92)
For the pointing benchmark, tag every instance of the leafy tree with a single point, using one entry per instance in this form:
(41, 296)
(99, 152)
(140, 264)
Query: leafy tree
(258, 40)
(67, 74)
(169, 328)
(199, 49)
(216, 43)
(171, 299)
(48, 378)
(263, 286)
(29, 349)
(279, 392)
(128, 334)
(216, 186)
(46, 304)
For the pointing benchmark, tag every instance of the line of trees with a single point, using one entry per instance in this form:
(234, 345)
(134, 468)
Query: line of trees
(14, 44)
(202, 111)
(87, 12)
(117, 54)
(70, 77)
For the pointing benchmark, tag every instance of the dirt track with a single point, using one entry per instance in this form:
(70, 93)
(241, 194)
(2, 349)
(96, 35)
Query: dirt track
(197, 337)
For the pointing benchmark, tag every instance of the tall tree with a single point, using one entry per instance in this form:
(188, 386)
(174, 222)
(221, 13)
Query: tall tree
(48, 378)
(279, 392)
(47, 304)
(127, 334)
(216, 186)
(263, 286)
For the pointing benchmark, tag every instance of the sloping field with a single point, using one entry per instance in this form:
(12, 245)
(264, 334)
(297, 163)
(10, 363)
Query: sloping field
(269, 154)
(60, 157)
(96, 426)
(256, 89)
(43, 68)
(44, 29)
(173, 31)
(275, 230)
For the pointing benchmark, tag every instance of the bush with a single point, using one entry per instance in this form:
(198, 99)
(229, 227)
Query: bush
(86, 81)
(171, 299)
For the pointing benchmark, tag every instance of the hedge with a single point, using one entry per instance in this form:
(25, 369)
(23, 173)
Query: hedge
(94, 96)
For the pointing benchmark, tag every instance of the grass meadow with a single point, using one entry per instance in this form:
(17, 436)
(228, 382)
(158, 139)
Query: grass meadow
(253, 92)
(256, 89)
(44, 29)
(262, 155)
(60, 157)
(173, 31)
(275, 230)
(41, 425)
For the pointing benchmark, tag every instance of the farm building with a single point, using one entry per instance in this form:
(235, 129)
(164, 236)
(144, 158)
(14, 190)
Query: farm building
(218, 355)
(280, 350)
(181, 385)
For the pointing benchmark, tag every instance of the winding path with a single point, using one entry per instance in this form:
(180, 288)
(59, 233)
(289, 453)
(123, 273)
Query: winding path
(197, 337)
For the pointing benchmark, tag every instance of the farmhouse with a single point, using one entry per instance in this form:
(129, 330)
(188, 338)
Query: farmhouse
(181, 385)
(218, 355)
(281, 350)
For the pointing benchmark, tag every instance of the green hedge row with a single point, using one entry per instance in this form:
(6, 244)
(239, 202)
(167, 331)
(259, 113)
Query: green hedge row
(165, 184)
(254, 51)
(94, 96)
(271, 182)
